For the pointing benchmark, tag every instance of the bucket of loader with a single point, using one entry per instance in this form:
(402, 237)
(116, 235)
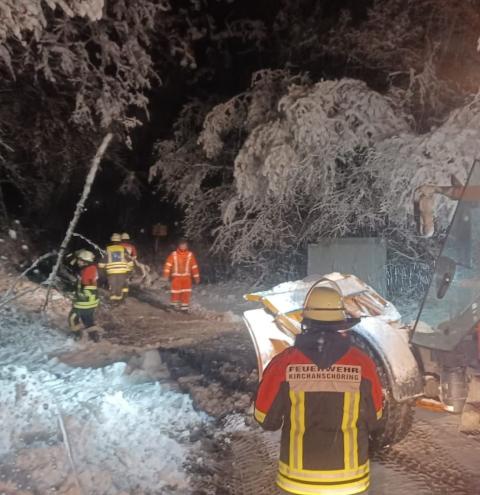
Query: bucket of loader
(274, 327)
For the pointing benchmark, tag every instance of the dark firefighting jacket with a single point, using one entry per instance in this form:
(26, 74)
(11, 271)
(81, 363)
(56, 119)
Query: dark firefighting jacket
(326, 401)
(86, 296)
(117, 260)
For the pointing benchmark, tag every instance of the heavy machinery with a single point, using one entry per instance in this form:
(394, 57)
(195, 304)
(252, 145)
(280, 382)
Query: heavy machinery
(436, 357)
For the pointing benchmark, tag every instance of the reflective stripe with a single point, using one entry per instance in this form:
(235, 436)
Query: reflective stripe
(74, 322)
(293, 430)
(297, 428)
(186, 268)
(116, 271)
(259, 415)
(354, 429)
(90, 287)
(326, 476)
(86, 305)
(345, 429)
(180, 291)
(301, 433)
(351, 403)
(86, 298)
(348, 488)
(379, 414)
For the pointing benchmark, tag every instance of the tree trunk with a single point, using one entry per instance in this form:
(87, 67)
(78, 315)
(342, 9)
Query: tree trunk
(78, 211)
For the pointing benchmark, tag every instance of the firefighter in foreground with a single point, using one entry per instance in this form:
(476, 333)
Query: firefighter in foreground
(181, 266)
(326, 396)
(86, 297)
(117, 264)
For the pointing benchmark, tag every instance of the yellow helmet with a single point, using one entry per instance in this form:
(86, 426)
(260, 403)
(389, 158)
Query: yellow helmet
(124, 236)
(115, 238)
(324, 304)
(85, 255)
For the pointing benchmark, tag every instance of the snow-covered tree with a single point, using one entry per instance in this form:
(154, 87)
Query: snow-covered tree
(289, 162)
(18, 17)
(73, 68)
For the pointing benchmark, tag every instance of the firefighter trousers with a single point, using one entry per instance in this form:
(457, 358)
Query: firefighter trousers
(181, 291)
(79, 317)
(118, 284)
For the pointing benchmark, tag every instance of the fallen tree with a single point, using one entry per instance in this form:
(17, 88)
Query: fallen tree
(95, 164)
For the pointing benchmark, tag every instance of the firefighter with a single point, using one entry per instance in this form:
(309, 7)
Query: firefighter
(86, 298)
(131, 250)
(325, 394)
(117, 264)
(181, 266)
(129, 246)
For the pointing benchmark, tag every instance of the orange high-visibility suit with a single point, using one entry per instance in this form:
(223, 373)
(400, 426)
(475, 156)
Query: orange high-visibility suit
(180, 267)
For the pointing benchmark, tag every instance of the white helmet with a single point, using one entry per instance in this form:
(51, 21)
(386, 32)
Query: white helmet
(85, 255)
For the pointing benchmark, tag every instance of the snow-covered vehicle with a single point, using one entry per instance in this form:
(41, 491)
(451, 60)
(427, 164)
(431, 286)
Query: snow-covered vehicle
(446, 335)
(380, 333)
(438, 357)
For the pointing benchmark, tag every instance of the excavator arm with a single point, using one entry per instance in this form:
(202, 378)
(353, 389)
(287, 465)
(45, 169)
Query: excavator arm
(424, 199)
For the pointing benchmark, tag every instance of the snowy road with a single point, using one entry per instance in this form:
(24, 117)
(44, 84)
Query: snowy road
(127, 434)
(131, 434)
(434, 459)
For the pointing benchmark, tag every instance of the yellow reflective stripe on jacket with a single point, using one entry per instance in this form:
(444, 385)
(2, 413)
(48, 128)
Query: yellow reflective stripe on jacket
(113, 264)
(86, 305)
(351, 408)
(117, 271)
(346, 488)
(117, 267)
(297, 428)
(86, 298)
(92, 303)
(116, 261)
(330, 476)
(354, 428)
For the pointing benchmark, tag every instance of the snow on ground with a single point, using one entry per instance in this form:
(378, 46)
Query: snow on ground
(127, 434)
(223, 297)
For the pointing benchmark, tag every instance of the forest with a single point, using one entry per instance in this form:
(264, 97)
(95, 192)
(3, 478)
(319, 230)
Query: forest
(252, 127)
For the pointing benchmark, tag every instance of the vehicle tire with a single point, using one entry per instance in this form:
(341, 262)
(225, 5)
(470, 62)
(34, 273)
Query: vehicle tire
(397, 417)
